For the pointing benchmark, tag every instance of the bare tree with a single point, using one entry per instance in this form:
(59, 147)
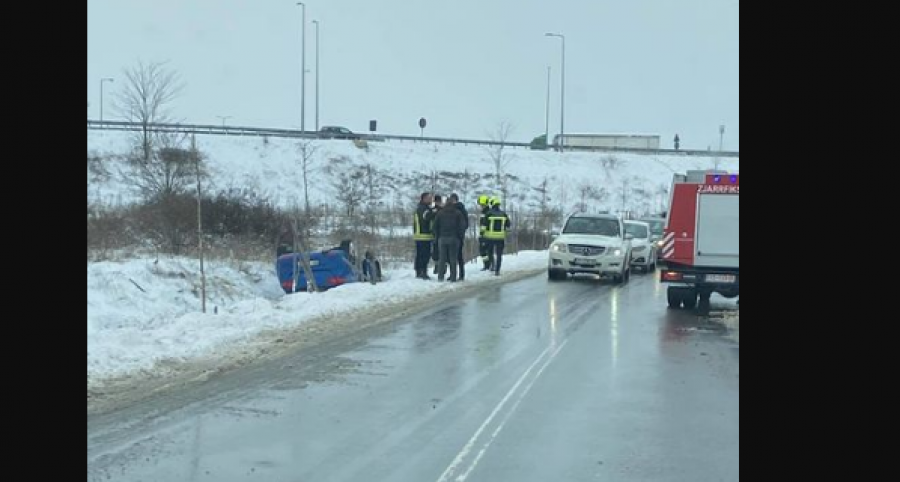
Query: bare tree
(373, 185)
(563, 197)
(96, 169)
(545, 211)
(307, 169)
(350, 189)
(148, 91)
(500, 159)
(587, 192)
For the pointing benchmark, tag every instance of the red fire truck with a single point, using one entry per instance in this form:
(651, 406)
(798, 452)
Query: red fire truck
(701, 245)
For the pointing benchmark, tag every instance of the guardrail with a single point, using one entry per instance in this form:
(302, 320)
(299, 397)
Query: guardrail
(227, 130)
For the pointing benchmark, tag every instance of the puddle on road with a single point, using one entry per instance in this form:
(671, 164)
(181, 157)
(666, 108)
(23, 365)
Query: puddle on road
(723, 321)
(727, 320)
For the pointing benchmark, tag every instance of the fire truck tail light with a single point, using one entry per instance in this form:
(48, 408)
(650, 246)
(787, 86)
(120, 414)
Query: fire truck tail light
(671, 276)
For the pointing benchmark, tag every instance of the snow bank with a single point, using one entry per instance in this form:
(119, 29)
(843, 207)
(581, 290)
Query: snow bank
(143, 312)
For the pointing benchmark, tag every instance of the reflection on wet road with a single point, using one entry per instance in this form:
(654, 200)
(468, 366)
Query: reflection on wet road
(531, 381)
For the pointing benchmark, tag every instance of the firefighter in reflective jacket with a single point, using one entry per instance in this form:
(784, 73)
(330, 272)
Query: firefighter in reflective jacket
(486, 255)
(496, 224)
(423, 234)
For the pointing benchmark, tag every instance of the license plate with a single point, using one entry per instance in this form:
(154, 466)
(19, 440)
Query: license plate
(584, 262)
(721, 278)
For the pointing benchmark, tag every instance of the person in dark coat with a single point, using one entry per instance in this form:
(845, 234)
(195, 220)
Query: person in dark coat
(435, 252)
(423, 235)
(460, 259)
(449, 227)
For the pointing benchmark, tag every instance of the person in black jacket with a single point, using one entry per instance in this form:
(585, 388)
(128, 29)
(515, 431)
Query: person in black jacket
(460, 259)
(423, 235)
(449, 227)
(435, 252)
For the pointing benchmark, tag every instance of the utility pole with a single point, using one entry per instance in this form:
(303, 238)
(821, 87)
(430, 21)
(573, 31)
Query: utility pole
(196, 156)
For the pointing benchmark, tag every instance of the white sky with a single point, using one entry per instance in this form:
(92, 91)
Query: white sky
(646, 66)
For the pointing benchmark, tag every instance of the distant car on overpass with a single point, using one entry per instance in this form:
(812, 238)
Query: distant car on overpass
(337, 132)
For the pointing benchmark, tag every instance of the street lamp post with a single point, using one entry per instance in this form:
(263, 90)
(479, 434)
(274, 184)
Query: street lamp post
(316, 22)
(562, 95)
(302, 67)
(547, 112)
(224, 118)
(721, 138)
(102, 81)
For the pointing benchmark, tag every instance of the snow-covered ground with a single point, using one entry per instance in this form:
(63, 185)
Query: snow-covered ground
(403, 169)
(142, 312)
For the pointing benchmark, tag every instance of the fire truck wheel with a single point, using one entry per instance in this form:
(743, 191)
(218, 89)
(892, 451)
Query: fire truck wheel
(674, 297)
(689, 298)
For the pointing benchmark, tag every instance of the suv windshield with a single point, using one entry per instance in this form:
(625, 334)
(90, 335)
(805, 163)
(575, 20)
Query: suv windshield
(656, 227)
(595, 226)
(637, 230)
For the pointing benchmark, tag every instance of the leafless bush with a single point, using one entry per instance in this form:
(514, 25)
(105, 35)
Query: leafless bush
(168, 171)
(108, 231)
(610, 162)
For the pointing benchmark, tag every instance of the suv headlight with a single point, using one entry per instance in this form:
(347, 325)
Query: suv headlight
(559, 247)
(617, 252)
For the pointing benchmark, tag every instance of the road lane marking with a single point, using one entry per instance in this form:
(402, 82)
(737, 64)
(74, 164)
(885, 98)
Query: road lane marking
(467, 448)
(509, 414)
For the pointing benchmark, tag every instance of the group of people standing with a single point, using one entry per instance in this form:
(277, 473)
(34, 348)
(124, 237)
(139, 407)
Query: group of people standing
(439, 231)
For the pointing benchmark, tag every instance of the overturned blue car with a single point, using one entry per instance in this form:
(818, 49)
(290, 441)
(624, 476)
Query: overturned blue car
(330, 268)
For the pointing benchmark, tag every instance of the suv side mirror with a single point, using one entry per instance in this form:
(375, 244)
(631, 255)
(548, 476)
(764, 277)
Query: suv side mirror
(629, 237)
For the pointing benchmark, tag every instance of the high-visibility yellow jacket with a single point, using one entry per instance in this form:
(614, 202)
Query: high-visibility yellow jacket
(496, 224)
(423, 220)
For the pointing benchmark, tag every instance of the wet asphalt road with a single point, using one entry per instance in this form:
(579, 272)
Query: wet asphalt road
(531, 381)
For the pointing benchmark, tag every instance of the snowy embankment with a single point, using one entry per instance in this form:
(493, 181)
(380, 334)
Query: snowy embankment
(269, 167)
(144, 314)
